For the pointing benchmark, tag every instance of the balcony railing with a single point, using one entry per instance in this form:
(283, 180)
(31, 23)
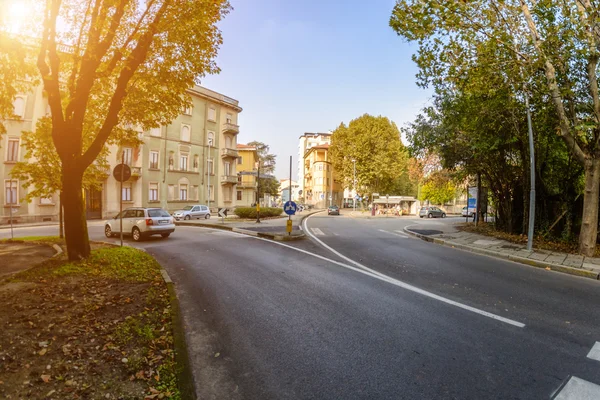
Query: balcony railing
(229, 179)
(136, 172)
(225, 153)
(228, 127)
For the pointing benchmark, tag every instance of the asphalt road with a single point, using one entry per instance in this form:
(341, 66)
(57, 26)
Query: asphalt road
(265, 321)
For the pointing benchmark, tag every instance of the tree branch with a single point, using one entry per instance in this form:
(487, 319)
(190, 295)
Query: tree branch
(76, 55)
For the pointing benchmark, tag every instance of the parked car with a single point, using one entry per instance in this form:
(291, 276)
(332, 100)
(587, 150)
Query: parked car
(333, 210)
(431, 212)
(140, 222)
(466, 212)
(196, 211)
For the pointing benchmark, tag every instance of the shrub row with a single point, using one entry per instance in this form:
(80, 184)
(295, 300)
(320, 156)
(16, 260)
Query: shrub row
(250, 212)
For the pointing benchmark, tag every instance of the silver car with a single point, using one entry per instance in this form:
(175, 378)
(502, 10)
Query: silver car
(431, 212)
(196, 211)
(140, 222)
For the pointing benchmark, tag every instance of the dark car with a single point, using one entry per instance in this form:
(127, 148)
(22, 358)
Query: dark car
(333, 210)
(431, 212)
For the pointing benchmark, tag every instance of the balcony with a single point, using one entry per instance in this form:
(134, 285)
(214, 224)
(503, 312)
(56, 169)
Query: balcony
(228, 179)
(136, 172)
(229, 153)
(228, 127)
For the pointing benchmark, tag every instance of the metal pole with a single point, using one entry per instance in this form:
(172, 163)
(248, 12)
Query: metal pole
(532, 179)
(12, 201)
(354, 187)
(478, 201)
(208, 179)
(258, 193)
(289, 216)
(467, 214)
(121, 199)
(331, 183)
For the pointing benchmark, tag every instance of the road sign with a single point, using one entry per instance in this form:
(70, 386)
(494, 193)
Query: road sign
(222, 212)
(126, 172)
(290, 208)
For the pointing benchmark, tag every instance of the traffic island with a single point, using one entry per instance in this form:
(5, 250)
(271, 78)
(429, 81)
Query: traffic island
(98, 328)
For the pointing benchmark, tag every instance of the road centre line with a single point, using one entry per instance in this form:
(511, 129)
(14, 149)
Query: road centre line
(374, 274)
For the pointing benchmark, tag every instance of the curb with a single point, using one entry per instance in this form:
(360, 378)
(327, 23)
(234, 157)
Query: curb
(521, 260)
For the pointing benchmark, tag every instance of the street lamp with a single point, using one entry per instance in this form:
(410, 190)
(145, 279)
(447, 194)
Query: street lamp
(354, 185)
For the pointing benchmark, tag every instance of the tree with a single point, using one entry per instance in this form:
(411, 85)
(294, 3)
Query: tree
(374, 142)
(558, 38)
(267, 167)
(112, 66)
(438, 188)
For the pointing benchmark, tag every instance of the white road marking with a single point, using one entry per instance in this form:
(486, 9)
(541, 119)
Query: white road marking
(368, 271)
(317, 231)
(579, 389)
(394, 233)
(594, 353)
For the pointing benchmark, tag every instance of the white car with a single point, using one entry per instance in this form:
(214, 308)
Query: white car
(196, 211)
(467, 212)
(140, 222)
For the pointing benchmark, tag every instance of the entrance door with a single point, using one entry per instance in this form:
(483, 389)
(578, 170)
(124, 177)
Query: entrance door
(93, 204)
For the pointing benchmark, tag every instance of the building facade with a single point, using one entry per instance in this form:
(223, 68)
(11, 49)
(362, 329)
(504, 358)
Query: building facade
(191, 160)
(321, 186)
(246, 184)
(284, 190)
(305, 142)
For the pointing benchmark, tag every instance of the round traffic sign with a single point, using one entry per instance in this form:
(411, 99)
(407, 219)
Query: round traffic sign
(126, 171)
(290, 208)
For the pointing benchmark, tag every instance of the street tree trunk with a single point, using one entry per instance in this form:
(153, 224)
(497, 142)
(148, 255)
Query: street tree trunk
(589, 222)
(76, 233)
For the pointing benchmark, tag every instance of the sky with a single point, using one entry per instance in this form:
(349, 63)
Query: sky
(307, 66)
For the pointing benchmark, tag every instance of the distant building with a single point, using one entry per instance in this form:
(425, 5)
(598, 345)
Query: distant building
(246, 184)
(321, 186)
(284, 190)
(307, 141)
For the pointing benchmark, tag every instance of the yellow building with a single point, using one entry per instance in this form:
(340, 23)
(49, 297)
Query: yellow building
(321, 186)
(246, 184)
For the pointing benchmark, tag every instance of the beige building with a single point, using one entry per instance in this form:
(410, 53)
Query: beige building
(321, 187)
(246, 184)
(305, 142)
(191, 160)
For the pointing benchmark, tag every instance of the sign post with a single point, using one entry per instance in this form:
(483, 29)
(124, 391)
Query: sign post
(290, 209)
(122, 172)
(222, 213)
(12, 201)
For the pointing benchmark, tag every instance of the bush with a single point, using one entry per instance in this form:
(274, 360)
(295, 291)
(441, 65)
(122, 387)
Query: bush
(250, 212)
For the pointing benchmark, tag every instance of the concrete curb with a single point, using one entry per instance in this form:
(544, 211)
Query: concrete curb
(521, 260)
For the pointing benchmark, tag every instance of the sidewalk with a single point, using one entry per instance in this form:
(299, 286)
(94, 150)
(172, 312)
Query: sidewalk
(573, 264)
(272, 228)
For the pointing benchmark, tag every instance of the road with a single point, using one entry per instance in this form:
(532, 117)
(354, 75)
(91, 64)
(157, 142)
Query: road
(387, 317)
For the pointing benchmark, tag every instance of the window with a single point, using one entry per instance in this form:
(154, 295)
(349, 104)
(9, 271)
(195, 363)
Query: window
(211, 192)
(211, 139)
(153, 192)
(183, 162)
(187, 110)
(227, 166)
(194, 194)
(11, 191)
(212, 114)
(227, 193)
(127, 152)
(228, 142)
(126, 193)
(239, 195)
(239, 180)
(209, 166)
(12, 151)
(19, 107)
(153, 159)
(171, 192)
(185, 133)
(229, 118)
(171, 155)
(320, 167)
(196, 162)
(183, 192)
(155, 131)
(240, 160)
(46, 200)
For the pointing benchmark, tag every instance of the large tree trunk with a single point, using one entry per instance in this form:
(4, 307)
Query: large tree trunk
(589, 222)
(76, 233)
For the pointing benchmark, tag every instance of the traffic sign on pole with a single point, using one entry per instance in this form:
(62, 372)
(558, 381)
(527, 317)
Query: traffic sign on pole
(290, 207)
(122, 172)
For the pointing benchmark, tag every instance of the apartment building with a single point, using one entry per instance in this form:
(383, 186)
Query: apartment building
(191, 160)
(246, 184)
(321, 186)
(305, 142)
(284, 190)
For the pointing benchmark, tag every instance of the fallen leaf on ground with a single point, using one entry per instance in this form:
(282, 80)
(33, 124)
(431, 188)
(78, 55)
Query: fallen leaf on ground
(46, 378)
(43, 351)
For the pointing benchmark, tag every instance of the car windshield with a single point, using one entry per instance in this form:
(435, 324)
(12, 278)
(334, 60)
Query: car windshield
(158, 213)
(187, 208)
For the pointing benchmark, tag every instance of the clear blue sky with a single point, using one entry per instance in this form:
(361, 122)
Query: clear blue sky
(307, 66)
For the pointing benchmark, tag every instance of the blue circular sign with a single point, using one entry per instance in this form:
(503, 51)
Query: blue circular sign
(290, 208)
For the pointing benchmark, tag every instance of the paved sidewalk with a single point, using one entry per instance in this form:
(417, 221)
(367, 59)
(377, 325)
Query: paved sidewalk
(562, 262)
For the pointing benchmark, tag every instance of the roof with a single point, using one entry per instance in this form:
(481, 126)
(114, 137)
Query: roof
(321, 146)
(315, 134)
(245, 147)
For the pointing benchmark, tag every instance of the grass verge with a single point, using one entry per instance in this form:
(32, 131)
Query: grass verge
(99, 328)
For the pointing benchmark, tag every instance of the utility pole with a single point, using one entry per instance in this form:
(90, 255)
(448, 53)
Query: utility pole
(258, 193)
(354, 186)
(209, 172)
(478, 201)
(532, 179)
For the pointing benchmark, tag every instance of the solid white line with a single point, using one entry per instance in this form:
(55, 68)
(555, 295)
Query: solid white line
(594, 353)
(368, 271)
(393, 233)
(579, 389)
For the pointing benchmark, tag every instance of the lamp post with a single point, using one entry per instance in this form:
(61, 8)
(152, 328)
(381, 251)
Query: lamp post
(354, 185)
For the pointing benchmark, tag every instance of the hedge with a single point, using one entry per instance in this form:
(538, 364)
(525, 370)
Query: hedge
(250, 212)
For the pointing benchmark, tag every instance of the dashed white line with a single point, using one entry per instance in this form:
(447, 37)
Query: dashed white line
(579, 389)
(368, 271)
(594, 353)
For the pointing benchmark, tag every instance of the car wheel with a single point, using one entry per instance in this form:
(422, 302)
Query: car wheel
(165, 235)
(430, 215)
(136, 234)
(207, 216)
(420, 216)
(187, 218)
(443, 215)
(108, 231)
